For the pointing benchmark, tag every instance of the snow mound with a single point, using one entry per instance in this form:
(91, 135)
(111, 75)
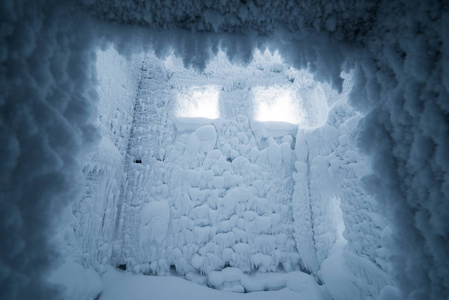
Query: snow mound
(78, 283)
(124, 285)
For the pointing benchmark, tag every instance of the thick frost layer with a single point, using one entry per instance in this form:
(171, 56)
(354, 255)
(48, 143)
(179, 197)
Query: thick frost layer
(207, 194)
(407, 135)
(402, 85)
(218, 196)
(47, 104)
(95, 214)
(331, 208)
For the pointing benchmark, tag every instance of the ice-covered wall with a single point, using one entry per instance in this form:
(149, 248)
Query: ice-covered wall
(208, 194)
(406, 133)
(339, 227)
(213, 200)
(118, 83)
(211, 193)
(400, 51)
(95, 213)
(48, 100)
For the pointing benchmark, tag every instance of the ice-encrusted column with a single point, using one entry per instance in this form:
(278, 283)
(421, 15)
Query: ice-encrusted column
(95, 213)
(150, 131)
(329, 197)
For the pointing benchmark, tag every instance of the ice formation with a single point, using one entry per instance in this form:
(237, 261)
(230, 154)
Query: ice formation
(140, 134)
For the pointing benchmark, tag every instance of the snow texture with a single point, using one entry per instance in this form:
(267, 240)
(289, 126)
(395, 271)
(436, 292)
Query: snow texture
(396, 217)
(48, 100)
(217, 193)
(79, 283)
(211, 195)
(120, 285)
(95, 214)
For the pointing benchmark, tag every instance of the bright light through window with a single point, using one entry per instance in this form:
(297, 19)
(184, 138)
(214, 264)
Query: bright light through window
(199, 102)
(276, 104)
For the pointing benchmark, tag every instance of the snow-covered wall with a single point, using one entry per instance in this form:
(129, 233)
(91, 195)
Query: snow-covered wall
(406, 134)
(338, 225)
(95, 213)
(211, 193)
(48, 110)
(48, 100)
(118, 83)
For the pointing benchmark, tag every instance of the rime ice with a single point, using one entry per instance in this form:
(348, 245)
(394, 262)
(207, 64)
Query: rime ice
(165, 139)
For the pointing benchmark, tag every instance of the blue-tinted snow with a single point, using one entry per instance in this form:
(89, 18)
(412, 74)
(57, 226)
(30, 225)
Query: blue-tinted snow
(400, 53)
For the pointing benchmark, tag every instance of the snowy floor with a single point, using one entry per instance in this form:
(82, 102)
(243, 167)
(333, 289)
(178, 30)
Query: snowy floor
(119, 285)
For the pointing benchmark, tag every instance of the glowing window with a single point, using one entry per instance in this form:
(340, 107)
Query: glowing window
(199, 102)
(276, 104)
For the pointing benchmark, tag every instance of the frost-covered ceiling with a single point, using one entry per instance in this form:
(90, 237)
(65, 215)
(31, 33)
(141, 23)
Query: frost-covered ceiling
(345, 20)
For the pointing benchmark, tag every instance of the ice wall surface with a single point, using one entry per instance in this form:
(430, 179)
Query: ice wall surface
(209, 198)
(399, 52)
(204, 197)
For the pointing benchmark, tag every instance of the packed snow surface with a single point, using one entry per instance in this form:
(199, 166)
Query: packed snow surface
(78, 282)
(120, 285)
